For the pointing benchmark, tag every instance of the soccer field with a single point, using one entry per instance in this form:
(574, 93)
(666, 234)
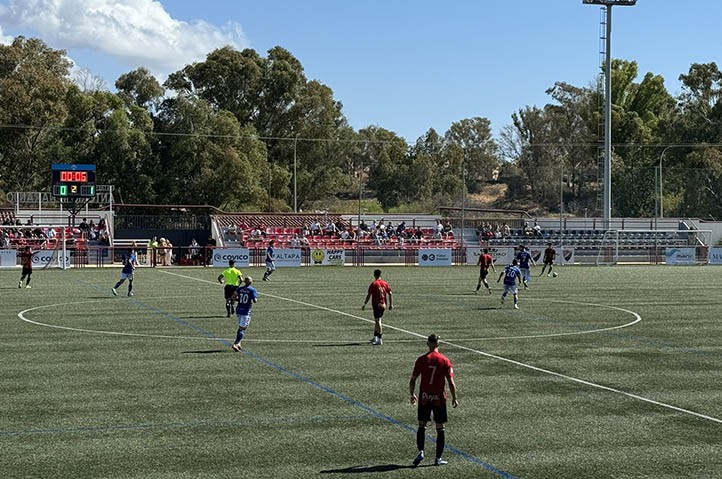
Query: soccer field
(603, 373)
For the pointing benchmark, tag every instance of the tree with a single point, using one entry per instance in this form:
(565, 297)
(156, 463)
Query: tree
(139, 87)
(206, 157)
(479, 150)
(33, 84)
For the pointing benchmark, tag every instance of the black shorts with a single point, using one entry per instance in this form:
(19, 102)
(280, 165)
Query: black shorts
(549, 261)
(228, 291)
(483, 273)
(426, 410)
(27, 271)
(378, 310)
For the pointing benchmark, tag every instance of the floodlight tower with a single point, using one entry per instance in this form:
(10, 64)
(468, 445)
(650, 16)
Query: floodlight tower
(608, 4)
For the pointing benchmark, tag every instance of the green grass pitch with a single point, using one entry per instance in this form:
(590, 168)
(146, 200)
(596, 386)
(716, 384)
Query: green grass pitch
(602, 373)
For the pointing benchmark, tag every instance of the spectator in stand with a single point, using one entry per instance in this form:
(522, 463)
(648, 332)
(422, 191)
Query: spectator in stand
(505, 230)
(256, 234)
(448, 231)
(439, 229)
(381, 233)
(401, 228)
(527, 230)
(537, 230)
(419, 235)
(195, 251)
(363, 226)
(101, 224)
(84, 227)
(378, 236)
(315, 228)
(295, 241)
(50, 233)
(5, 240)
(330, 229)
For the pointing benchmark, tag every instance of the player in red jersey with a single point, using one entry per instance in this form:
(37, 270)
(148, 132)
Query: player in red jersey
(26, 261)
(435, 370)
(485, 261)
(378, 292)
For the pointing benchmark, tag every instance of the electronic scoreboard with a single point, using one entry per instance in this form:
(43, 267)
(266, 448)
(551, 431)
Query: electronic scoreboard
(73, 181)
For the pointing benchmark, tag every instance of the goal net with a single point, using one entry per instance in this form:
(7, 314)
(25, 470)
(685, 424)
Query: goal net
(653, 246)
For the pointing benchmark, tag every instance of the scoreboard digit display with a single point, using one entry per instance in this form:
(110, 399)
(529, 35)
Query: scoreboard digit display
(73, 181)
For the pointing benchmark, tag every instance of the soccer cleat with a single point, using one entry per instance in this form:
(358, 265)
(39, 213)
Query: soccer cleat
(516, 306)
(131, 294)
(20, 284)
(489, 290)
(502, 300)
(419, 457)
(440, 462)
(236, 347)
(28, 286)
(115, 292)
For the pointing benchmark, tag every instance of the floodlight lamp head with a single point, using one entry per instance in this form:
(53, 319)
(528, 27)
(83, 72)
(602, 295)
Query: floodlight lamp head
(609, 3)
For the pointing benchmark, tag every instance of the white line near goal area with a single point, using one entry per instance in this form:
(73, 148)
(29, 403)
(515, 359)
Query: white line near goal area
(501, 358)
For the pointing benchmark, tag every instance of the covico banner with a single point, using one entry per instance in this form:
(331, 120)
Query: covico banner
(221, 256)
(43, 257)
(435, 257)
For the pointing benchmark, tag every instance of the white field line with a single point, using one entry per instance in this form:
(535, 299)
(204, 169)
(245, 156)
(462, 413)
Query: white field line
(507, 360)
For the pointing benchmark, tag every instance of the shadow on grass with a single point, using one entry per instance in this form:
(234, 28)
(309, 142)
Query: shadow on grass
(487, 308)
(208, 351)
(362, 469)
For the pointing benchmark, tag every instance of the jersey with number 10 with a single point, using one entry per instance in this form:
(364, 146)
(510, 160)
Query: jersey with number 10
(246, 296)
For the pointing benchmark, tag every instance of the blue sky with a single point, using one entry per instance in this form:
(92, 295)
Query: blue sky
(404, 65)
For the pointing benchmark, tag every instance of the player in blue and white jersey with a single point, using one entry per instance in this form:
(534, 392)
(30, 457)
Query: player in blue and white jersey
(127, 273)
(270, 261)
(246, 295)
(525, 262)
(511, 274)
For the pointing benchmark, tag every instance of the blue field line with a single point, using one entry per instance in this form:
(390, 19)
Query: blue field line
(174, 425)
(311, 382)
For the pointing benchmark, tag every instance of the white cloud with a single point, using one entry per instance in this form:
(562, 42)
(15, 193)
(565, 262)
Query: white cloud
(134, 32)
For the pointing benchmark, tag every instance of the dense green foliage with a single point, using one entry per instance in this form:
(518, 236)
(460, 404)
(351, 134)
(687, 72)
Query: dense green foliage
(147, 387)
(246, 132)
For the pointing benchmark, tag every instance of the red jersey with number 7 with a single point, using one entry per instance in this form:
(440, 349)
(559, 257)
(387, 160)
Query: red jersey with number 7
(378, 290)
(435, 369)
